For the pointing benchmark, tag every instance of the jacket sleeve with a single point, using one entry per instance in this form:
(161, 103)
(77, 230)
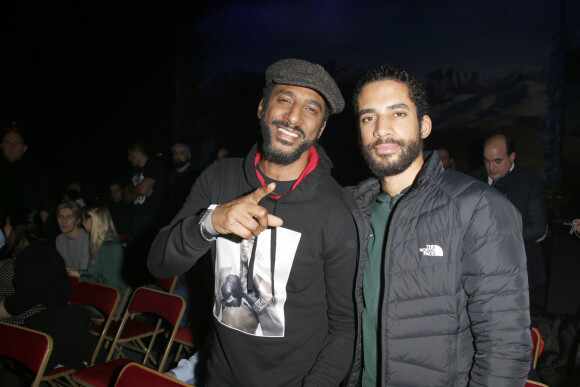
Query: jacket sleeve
(536, 218)
(179, 245)
(334, 360)
(494, 277)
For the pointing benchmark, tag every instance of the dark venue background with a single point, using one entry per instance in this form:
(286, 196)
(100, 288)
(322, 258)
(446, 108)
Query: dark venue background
(83, 78)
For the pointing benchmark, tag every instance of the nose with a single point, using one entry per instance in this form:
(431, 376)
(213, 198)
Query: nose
(383, 128)
(293, 114)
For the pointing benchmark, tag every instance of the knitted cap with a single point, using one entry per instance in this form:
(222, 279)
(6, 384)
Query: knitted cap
(297, 72)
(181, 145)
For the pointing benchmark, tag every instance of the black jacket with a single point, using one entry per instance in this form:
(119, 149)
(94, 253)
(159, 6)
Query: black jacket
(526, 191)
(455, 309)
(305, 336)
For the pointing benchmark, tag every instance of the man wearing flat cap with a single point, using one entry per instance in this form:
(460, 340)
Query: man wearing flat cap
(282, 241)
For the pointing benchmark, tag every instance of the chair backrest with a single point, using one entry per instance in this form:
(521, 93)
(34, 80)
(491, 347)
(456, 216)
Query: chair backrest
(530, 383)
(538, 346)
(168, 306)
(104, 298)
(27, 346)
(74, 281)
(134, 374)
(167, 284)
(162, 304)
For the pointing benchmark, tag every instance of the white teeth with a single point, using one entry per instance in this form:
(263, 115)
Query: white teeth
(287, 132)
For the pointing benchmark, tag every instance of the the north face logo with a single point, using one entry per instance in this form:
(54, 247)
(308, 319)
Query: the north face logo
(432, 251)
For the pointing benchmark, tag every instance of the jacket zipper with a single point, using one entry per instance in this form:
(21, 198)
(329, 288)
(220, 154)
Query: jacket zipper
(384, 304)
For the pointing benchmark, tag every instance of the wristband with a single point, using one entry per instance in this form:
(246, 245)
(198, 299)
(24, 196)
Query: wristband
(205, 226)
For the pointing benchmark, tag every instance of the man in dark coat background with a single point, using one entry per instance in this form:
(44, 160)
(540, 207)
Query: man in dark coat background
(526, 191)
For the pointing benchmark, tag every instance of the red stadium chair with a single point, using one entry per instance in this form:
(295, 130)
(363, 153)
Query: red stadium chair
(132, 333)
(105, 299)
(538, 347)
(134, 374)
(27, 346)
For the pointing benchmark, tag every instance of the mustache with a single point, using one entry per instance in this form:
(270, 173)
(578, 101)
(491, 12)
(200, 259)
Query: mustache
(295, 128)
(387, 140)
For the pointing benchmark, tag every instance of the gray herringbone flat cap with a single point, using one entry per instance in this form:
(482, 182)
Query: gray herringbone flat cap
(299, 72)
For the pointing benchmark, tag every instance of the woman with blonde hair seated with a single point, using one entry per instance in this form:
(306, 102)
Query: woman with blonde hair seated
(106, 253)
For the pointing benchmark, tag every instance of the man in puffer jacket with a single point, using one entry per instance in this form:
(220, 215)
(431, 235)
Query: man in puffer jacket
(441, 288)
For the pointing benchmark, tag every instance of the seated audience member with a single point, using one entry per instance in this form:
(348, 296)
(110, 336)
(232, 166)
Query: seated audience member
(121, 211)
(446, 158)
(73, 242)
(74, 193)
(34, 278)
(191, 370)
(106, 253)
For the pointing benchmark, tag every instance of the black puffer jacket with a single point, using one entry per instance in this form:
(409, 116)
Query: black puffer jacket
(455, 307)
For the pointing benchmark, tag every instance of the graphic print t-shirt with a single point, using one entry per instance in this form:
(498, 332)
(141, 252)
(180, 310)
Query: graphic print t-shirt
(254, 312)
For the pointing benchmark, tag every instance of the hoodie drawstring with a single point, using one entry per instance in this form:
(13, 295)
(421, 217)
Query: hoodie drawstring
(251, 266)
(250, 279)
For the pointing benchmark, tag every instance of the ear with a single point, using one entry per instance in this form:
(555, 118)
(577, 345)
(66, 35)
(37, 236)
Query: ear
(24, 148)
(513, 157)
(321, 130)
(260, 108)
(426, 126)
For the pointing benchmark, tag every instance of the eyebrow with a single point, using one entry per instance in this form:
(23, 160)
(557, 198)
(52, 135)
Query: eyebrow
(293, 95)
(391, 107)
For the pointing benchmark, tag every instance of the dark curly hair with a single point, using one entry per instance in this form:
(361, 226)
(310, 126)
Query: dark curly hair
(417, 92)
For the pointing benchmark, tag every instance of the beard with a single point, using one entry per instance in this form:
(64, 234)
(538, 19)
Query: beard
(279, 156)
(179, 163)
(385, 166)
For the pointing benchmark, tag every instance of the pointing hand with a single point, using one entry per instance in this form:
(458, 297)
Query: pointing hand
(243, 216)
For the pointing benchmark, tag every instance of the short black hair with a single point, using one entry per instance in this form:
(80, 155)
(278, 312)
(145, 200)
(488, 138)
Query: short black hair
(417, 92)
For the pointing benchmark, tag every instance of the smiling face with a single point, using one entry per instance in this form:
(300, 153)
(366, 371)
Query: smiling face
(391, 135)
(291, 121)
